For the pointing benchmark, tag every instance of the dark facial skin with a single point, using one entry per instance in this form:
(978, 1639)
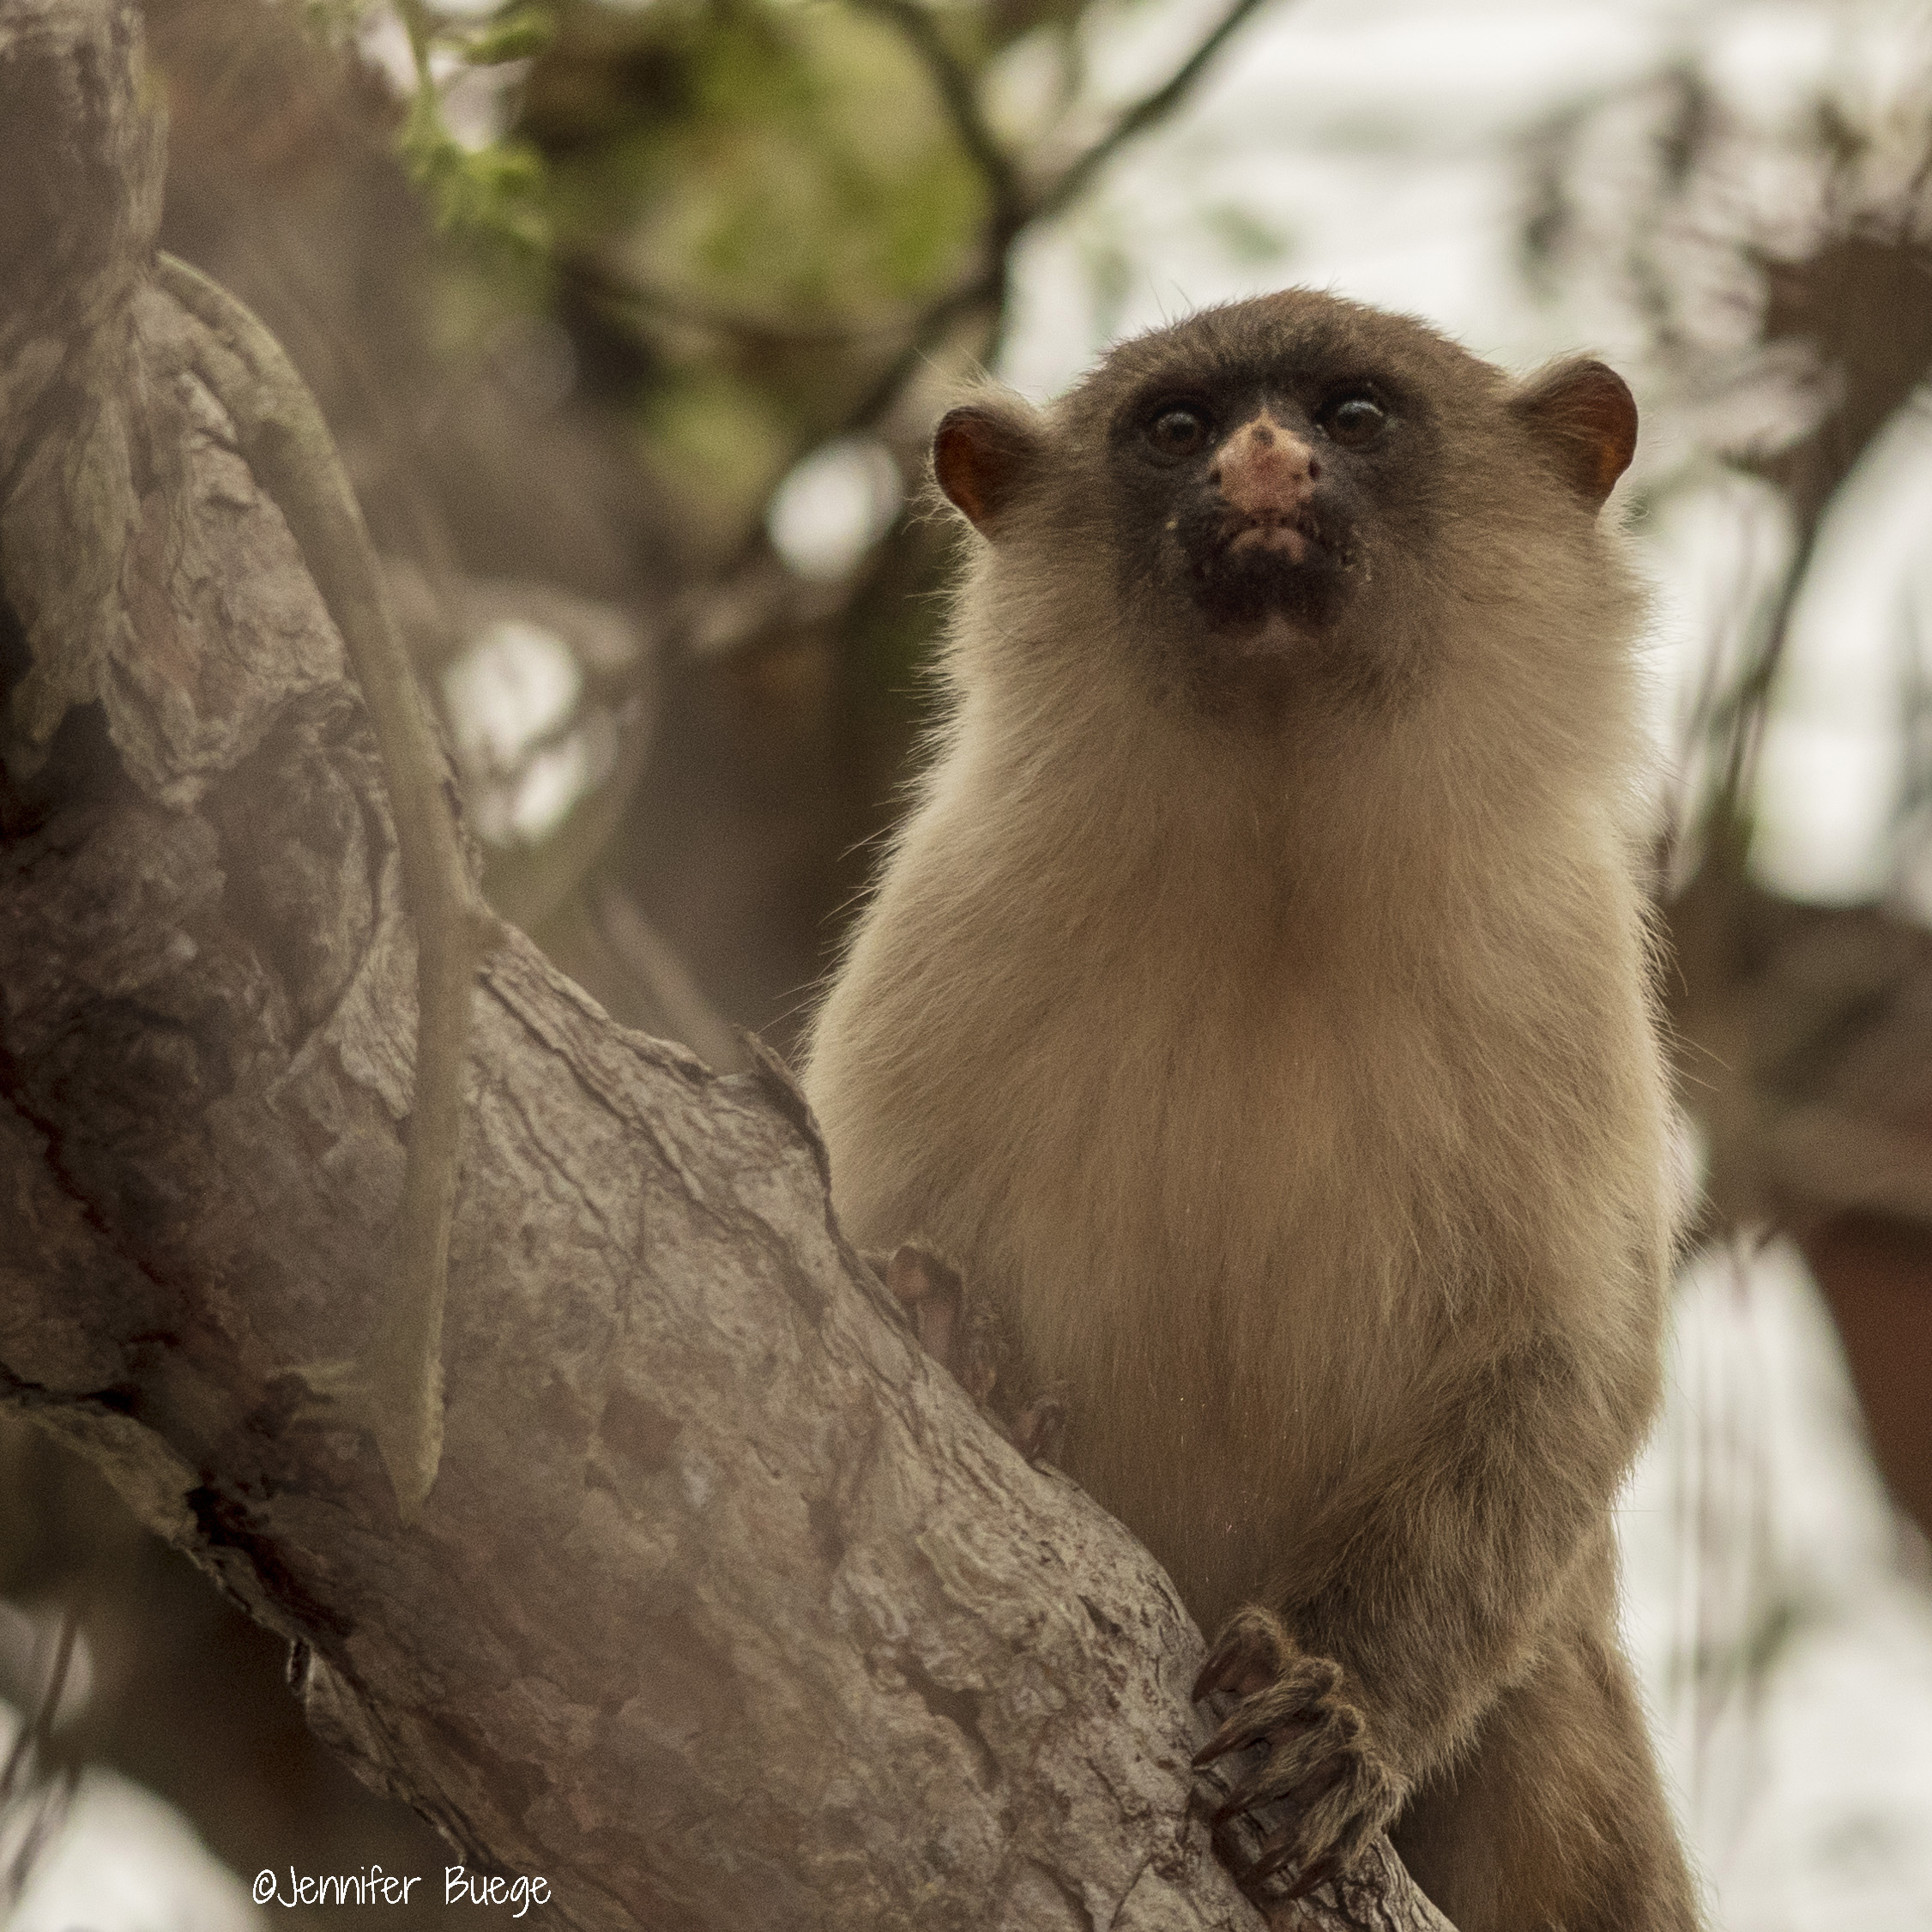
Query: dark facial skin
(1275, 474)
(1252, 495)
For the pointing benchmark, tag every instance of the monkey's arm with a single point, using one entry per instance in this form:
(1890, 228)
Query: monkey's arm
(1459, 1535)
(1426, 1578)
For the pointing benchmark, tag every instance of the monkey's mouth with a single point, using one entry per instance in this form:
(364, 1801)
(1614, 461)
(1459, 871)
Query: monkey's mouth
(1291, 538)
(1248, 573)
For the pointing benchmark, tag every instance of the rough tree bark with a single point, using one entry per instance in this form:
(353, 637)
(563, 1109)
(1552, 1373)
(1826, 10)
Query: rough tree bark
(726, 1609)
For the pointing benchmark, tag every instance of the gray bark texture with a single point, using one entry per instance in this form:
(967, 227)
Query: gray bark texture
(726, 1609)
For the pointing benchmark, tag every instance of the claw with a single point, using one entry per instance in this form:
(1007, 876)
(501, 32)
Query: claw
(1243, 1729)
(1229, 1808)
(1247, 1657)
(1291, 1713)
(1236, 1802)
(1277, 1854)
(1319, 1871)
(1301, 1797)
(1208, 1678)
(1333, 1789)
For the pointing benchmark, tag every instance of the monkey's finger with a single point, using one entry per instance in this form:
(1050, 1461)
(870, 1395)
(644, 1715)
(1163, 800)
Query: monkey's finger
(1038, 1429)
(1233, 1736)
(932, 1296)
(1233, 1805)
(1254, 1723)
(1252, 1648)
(1310, 1685)
(1308, 1838)
(1220, 1745)
(915, 1274)
(1243, 1797)
(1282, 1852)
(1335, 1815)
(1298, 1775)
(1277, 1859)
(1273, 1784)
(1298, 1706)
(1340, 1809)
(1225, 1663)
(1316, 1871)
(1265, 1789)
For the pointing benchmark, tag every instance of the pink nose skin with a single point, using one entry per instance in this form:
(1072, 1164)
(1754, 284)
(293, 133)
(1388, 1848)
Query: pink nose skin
(1266, 474)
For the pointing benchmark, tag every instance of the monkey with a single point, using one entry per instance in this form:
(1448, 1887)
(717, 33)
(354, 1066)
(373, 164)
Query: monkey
(1255, 1005)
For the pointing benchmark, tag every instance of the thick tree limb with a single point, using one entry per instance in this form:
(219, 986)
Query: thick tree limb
(726, 1609)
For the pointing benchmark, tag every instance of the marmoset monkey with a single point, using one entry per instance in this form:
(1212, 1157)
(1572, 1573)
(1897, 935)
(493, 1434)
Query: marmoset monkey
(1255, 1005)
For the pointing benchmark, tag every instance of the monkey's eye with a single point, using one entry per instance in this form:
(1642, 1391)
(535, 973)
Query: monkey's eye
(1178, 431)
(1353, 421)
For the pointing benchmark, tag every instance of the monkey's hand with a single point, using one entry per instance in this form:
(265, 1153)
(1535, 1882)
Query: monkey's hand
(1323, 1768)
(963, 1334)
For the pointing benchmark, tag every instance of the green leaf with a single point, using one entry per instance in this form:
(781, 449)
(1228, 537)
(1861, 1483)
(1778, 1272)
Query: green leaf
(522, 35)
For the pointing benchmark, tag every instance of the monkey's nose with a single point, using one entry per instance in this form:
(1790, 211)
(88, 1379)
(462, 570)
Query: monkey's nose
(1266, 473)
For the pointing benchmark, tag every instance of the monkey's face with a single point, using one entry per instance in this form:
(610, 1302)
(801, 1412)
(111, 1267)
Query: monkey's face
(1291, 490)
(1257, 506)
(1282, 479)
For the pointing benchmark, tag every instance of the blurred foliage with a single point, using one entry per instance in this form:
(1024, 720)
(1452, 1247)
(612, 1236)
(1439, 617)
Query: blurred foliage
(1777, 267)
(756, 218)
(1775, 264)
(746, 201)
(739, 209)
(728, 233)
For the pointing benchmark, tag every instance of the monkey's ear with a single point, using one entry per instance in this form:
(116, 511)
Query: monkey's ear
(982, 453)
(1584, 416)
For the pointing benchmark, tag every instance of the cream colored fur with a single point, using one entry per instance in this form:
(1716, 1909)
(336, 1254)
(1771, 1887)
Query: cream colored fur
(1243, 1079)
(1286, 1087)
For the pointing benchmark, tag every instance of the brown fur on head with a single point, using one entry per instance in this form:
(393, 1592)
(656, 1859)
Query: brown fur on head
(1437, 556)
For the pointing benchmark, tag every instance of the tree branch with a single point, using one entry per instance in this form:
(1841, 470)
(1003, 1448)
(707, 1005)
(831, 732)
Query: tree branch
(919, 27)
(983, 291)
(1149, 112)
(726, 1609)
(1012, 213)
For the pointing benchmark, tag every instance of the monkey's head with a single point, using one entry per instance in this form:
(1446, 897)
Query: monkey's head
(1292, 494)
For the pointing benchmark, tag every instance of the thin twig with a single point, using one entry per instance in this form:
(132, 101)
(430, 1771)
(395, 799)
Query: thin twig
(1742, 715)
(397, 1388)
(1146, 111)
(1012, 213)
(957, 91)
(601, 284)
(28, 1790)
(986, 291)
(16, 1773)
